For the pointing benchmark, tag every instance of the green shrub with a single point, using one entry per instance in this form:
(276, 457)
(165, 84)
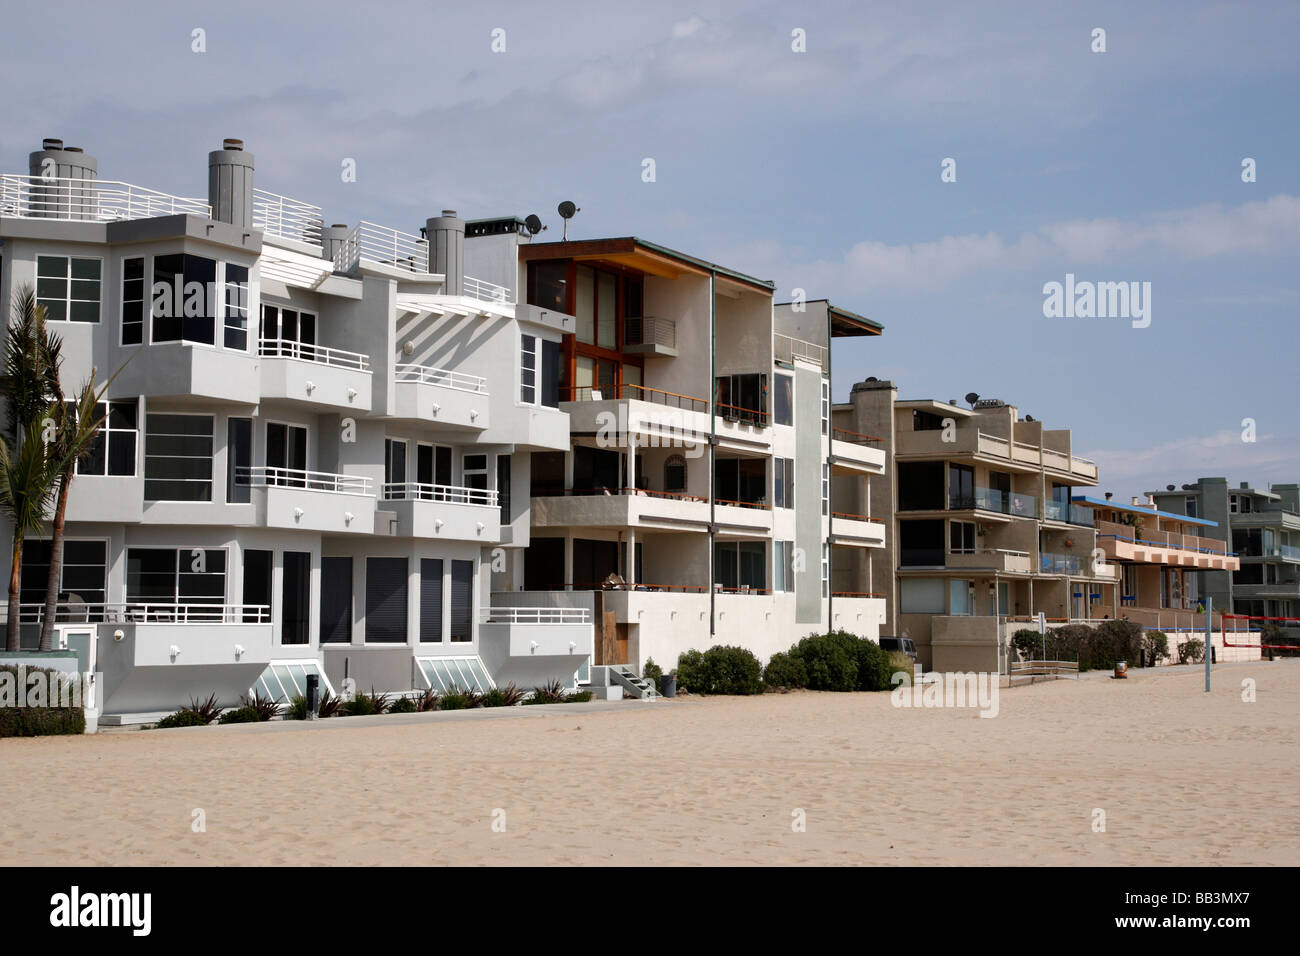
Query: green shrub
(40, 721)
(552, 693)
(240, 715)
(1156, 644)
(785, 670)
(723, 669)
(652, 672)
(297, 708)
(364, 705)
(830, 664)
(578, 697)
(1028, 643)
(1191, 652)
(403, 705)
(874, 670)
(898, 661)
(453, 700)
(506, 696)
(182, 718)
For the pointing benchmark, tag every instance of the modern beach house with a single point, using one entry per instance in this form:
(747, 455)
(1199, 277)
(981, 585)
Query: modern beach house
(982, 531)
(319, 442)
(691, 504)
(1262, 526)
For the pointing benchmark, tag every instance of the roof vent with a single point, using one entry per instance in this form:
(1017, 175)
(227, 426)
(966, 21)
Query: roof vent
(233, 144)
(989, 403)
(50, 143)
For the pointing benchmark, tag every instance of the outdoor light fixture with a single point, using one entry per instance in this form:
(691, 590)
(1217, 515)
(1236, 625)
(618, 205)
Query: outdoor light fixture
(239, 651)
(533, 646)
(437, 524)
(473, 414)
(297, 514)
(118, 635)
(436, 408)
(352, 393)
(311, 387)
(408, 348)
(347, 517)
(174, 651)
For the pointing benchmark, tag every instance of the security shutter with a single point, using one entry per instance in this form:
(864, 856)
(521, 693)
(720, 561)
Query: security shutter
(336, 600)
(462, 599)
(386, 600)
(431, 600)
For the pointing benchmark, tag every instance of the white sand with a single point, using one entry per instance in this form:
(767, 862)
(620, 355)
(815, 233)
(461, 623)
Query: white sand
(1183, 778)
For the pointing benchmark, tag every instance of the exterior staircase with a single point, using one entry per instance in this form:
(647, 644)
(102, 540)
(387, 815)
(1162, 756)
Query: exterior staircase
(635, 686)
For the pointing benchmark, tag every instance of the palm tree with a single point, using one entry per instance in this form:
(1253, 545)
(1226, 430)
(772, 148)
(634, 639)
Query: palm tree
(75, 431)
(27, 480)
(29, 371)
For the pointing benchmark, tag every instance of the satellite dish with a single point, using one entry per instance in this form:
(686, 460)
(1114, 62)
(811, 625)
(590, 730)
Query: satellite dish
(567, 211)
(1029, 418)
(972, 397)
(533, 224)
(1169, 487)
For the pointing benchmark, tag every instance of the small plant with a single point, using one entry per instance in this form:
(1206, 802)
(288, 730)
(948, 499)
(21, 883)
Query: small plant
(1156, 645)
(507, 696)
(1191, 652)
(182, 718)
(453, 699)
(403, 705)
(207, 710)
(365, 705)
(267, 707)
(652, 672)
(578, 697)
(552, 693)
(331, 705)
(297, 709)
(898, 661)
(247, 714)
(426, 701)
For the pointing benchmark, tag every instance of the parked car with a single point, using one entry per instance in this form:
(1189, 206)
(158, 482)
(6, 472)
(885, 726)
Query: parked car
(904, 645)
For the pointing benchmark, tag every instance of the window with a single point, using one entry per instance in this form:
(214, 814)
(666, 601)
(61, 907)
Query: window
(257, 582)
(528, 369)
(286, 455)
(239, 460)
(548, 285)
(551, 360)
(926, 421)
(236, 308)
(920, 543)
(675, 473)
(133, 300)
(386, 584)
(182, 310)
(462, 600)
(922, 596)
(475, 471)
(177, 457)
(295, 598)
(113, 450)
(961, 486)
(783, 566)
(783, 400)
(826, 570)
(740, 480)
(783, 482)
(920, 485)
(288, 332)
(826, 489)
(503, 486)
(432, 467)
(85, 571)
(742, 398)
(68, 287)
(959, 597)
(395, 463)
(740, 565)
(961, 537)
(336, 600)
(175, 576)
(1189, 506)
(430, 600)
(826, 407)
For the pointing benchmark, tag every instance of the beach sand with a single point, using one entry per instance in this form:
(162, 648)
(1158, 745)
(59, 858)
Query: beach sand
(1183, 778)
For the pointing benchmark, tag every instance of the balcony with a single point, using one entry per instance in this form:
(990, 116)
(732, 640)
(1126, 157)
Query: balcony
(423, 393)
(315, 375)
(789, 350)
(1068, 513)
(1121, 542)
(856, 530)
(484, 291)
(452, 512)
(280, 217)
(192, 371)
(856, 452)
(310, 500)
(653, 413)
(89, 200)
(1013, 504)
(531, 646)
(620, 508)
(742, 515)
(649, 335)
(991, 559)
(384, 250)
(1053, 563)
(1017, 456)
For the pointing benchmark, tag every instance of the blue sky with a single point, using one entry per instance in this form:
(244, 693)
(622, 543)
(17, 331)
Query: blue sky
(819, 170)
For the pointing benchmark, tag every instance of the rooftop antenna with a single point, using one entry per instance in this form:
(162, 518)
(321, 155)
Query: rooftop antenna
(533, 224)
(567, 211)
(972, 397)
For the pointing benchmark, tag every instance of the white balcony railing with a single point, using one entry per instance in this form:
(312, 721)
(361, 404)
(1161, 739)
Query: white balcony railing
(787, 348)
(270, 476)
(369, 242)
(536, 615)
(485, 291)
(425, 375)
(89, 200)
(144, 613)
(455, 494)
(650, 330)
(306, 352)
(287, 218)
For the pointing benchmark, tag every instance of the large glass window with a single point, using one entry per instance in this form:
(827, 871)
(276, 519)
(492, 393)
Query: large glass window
(740, 565)
(177, 457)
(920, 543)
(85, 571)
(742, 398)
(336, 600)
(290, 333)
(69, 288)
(961, 486)
(236, 308)
(475, 471)
(175, 576)
(548, 285)
(113, 450)
(239, 460)
(961, 537)
(740, 480)
(783, 400)
(257, 583)
(133, 300)
(503, 486)
(783, 566)
(182, 307)
(295, 598)
(920, 486)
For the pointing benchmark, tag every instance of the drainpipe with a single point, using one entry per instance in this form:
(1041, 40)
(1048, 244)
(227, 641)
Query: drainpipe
(830, 480)
(713, 442)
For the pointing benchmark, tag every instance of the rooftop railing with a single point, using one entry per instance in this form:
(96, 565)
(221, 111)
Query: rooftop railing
(427, 375)
(453, 494)
(306, 352)
(786, 348)
(89, 200)
(536, 615)
(382, 245)
(484, 291)
(287, 218)
(272, 476)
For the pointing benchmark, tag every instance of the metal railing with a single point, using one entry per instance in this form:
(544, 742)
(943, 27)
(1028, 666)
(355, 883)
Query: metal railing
(89, 200)
(786, 348)
(1064, 511)
(536, 615)
(853, 438)
(456, 494)
(426, 375)
(485, 291)
(738, 413)
(640, 393)
(990, 499)
(382, 245)
(287, 218)
(271, 476)
(143, 613)
(1049, 563)
(649, 330)
(306, 352)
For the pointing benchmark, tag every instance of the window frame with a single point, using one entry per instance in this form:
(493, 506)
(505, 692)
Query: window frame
(107, 431)
(212, 458)
(68, 280)
(526, 367)
(177, 550)
(122, 301)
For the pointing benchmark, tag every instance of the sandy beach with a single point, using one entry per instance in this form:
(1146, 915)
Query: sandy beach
(1183, 778)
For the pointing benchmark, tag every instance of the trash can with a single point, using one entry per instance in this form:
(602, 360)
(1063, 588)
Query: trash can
(1121, 669)
(313, 696)
(668, 685)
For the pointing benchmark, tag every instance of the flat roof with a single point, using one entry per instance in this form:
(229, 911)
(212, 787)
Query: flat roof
(844, 322)
(934, 403)
(1138, 509)
(639, 254)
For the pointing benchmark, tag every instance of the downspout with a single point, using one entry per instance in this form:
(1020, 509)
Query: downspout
(830, 480)
(713, 443)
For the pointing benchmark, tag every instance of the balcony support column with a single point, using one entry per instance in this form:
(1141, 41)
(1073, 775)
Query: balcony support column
(568, 558)
(630, 577)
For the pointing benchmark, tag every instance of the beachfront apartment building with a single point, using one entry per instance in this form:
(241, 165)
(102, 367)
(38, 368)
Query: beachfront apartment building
(691, 505)
(982, 531)
(1262, 527)
(316, 447)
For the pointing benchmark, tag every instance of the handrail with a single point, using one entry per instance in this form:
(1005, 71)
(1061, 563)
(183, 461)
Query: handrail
(72, 199)
(278, 215)
(331, 482)
(382, 245)
(145, 613)
(446, 378)
(638, 586)
(857, 594)
(742, 504)
(455, 494)
(752, 416)
(787, 348)
(486, 291)
(319, 354)
(855, 438)
(536, 615)
(616, 492)
(1170, 545)
(855, 517)
(589, 393)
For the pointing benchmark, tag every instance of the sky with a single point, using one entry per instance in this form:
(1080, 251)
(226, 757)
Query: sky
(819, 168)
